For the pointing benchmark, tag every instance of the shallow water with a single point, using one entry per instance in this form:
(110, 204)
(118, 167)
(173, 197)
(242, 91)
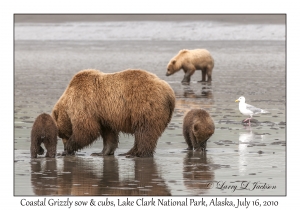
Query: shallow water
(240, 160)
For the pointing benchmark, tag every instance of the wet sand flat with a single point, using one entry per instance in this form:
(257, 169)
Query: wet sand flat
(240, 160)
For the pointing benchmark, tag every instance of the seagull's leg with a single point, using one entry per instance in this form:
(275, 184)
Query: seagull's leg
(250, 120)
(246, 119)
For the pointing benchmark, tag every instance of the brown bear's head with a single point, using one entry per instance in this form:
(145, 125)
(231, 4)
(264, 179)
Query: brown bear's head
(204, 132)
(172, 67)
(62, 122)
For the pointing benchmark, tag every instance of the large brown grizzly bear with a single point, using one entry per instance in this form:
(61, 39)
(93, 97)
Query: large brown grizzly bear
(198, 127)
(189, 61)
(44, 130)
(98, 104)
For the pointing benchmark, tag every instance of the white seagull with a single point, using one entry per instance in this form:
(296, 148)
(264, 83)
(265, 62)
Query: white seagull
(247, 109)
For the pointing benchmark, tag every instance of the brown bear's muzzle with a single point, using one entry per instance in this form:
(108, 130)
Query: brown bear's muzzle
(168, 74)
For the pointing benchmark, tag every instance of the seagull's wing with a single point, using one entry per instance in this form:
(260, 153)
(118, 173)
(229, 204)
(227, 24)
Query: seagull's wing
(254, 109)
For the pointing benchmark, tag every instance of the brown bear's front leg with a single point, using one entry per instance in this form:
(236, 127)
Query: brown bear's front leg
(65, 152)
(200, 146)
(84, 134)
(64, 142)
(187, 139)
(187, 76)
(186, 79)
(70, 146)
(35, 147)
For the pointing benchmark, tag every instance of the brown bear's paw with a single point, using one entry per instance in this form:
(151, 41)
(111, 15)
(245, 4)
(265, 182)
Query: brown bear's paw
(130, 156)
(189, 148)
(102, 154)
(144, 155)
(200, 149)
(201, 81)
(67, 153)
(185, 83)
(50, 155)
(97, 154)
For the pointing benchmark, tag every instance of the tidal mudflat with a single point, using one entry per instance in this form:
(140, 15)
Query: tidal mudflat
(240, 160)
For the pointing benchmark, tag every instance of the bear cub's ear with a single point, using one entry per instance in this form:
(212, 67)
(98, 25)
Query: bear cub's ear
(173, 61)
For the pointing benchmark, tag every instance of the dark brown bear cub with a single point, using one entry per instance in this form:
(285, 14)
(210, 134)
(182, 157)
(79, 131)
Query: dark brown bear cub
(44, 130)
(198, 127)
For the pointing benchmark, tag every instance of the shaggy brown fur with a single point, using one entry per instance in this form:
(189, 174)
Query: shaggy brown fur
(189, 61)
(99, 104)
(198, 127)
(44, 130)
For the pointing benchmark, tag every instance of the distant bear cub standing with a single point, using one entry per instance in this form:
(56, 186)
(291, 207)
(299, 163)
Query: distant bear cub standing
(104, 104)
(44, 130)
(189, 61)
(198, 127)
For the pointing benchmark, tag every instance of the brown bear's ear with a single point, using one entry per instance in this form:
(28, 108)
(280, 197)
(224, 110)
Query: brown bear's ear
(173, 61)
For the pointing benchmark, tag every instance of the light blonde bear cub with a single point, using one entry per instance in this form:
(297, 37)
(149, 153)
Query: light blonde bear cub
(190, 61)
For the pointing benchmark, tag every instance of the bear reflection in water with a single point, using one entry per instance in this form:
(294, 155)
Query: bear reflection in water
(81, 176)
(44, 176)
(198, 172)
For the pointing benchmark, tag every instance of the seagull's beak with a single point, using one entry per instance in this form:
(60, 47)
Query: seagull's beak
(237, 100)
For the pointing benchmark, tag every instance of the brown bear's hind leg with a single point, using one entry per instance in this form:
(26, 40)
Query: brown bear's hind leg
(144, 144)
(51, 147)
(204, 72)
(35, 147)
(209, 73)
(193, 140)
(187, 139)
(110, 142)
(131, 152)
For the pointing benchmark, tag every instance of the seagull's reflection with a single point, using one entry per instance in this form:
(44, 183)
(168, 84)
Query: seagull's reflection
(246, 140)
